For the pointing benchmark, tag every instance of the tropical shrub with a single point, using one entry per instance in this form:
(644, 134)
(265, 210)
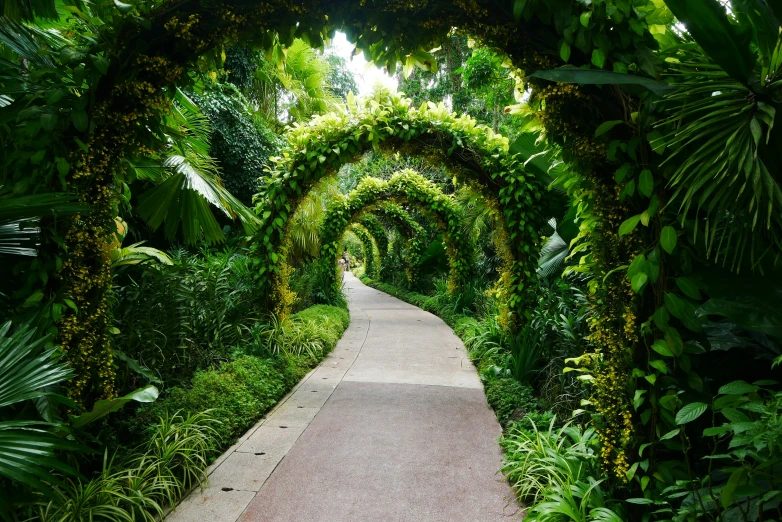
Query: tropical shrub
(174, 320)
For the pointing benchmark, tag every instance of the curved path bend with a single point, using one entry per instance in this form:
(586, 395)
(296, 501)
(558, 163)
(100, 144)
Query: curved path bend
(392, 426)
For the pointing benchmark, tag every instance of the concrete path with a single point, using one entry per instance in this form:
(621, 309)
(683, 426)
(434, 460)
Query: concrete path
(392, 426)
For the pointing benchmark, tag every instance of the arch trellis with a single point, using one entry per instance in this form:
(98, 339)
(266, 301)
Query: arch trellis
(405, 186)
(377, 231)
(367, 240)
(408, 227)
(321, 146)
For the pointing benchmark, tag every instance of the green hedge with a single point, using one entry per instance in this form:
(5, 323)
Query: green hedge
(242, 390)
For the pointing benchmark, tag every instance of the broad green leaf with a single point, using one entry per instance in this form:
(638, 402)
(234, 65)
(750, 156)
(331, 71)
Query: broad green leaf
(80, 120)
(102, 408)
(564, 51)
(711, 432)
(726, 496)
(598, 57)
(688, 288)
(737, 388)
(659, 365)
(671, 434)
(122, 7)
(668, 238)
(690, 412)
(606, 126)
(646, 183)
(661, 347)
(629, 225)
(661, 317)
(638, 282)
(570, 74)
(518, 9)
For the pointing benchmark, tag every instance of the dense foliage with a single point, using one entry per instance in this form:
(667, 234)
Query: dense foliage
(655, 118)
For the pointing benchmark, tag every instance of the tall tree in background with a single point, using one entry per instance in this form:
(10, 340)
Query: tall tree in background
(472, 81)
(340, 78)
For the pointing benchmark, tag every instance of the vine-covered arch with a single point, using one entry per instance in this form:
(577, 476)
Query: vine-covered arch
(377, 231)
(412, 188)
(321, 146)
(367, 240)
(410, 229)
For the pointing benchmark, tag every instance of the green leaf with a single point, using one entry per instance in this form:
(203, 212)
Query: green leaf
(668, 238)
(606, 126)
(690, 412)
(570, 74)
(661, 317)
(726, 43)
(102, 408)
(639, 281)
(712, 432)
(629, 225)
(564, 51)
(671, 434)
(661, 347)
(123, 8)
(584, 18)
(674, 341)
(688, 288)
(726, 496)
(80, 120)
(659, 365)
(737, 388)
(518, 9)
(598, 57)
(646, 183)
(48, 121)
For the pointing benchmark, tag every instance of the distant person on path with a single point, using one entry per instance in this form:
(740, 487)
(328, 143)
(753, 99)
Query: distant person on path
(346, 258)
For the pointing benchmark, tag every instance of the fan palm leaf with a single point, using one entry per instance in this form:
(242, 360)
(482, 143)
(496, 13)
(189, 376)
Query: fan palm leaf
(28, 448)
(189, 182)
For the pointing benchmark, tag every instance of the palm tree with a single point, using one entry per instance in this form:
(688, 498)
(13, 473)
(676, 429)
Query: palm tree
(292, 85)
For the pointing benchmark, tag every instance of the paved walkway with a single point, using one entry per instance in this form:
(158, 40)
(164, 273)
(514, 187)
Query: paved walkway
(392, 426)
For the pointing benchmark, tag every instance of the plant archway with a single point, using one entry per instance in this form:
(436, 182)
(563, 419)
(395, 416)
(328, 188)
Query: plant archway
(412, 188)
(320, 147)
(409, 228)
(373, 226)
(370, 268)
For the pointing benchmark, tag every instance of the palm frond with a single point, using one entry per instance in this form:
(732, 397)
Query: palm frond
(18, 218)
(552, 255)
(724, 181)
(27, 448)
(27, 41)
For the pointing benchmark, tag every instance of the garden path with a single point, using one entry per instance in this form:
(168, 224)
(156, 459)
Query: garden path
(392, 426)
